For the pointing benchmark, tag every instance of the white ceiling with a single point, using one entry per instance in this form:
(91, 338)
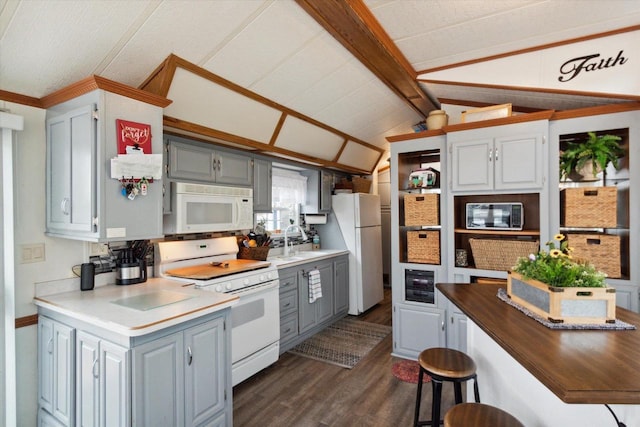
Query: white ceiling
(274, 48)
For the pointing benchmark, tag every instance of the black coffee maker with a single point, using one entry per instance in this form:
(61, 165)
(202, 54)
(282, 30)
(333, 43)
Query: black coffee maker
(131, 267)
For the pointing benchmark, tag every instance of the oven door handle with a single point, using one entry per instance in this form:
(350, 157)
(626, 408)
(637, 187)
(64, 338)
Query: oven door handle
(257, 289)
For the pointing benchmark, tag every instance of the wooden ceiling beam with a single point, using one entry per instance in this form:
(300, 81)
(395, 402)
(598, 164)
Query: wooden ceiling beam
(354, 26)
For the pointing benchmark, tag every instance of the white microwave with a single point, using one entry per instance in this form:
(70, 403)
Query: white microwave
(201, 208)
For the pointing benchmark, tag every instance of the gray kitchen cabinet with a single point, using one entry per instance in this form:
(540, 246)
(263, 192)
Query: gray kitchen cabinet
(262, 174)
(195, 161)
(177, 376)
(103, 389)
(56, 376)
(456, 328)
(179, 380)
(319, 191)
(45, 419)
(314, 313)
(421, 328)
(300, 319)
(288, 307)
(83, 202)
(341, 285)
(509, 157)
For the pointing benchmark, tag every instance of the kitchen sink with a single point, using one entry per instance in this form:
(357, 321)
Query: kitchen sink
(300, 256)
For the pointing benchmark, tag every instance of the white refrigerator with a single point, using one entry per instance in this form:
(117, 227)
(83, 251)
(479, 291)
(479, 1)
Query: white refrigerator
(358, 216)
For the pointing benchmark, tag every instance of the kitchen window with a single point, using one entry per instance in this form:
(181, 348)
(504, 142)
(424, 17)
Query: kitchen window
(288, 191)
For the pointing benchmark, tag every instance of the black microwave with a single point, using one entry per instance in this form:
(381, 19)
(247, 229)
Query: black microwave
(495, 216)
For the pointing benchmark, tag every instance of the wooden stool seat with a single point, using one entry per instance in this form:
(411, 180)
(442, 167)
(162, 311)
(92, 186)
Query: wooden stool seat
(444, 364)
(479, 415)
(447, 363)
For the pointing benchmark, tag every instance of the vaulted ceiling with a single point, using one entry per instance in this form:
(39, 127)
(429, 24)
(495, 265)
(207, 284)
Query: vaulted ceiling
(349, 67)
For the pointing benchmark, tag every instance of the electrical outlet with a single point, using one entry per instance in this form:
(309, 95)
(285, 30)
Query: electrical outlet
(98, 249)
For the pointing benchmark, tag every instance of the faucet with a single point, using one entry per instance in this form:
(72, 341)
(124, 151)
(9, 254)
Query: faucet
(286, 237)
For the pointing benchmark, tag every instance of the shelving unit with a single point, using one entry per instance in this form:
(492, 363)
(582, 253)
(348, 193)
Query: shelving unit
(418, 255)
(524, 169)
(603, 231)
(610, 244)
(463, 236)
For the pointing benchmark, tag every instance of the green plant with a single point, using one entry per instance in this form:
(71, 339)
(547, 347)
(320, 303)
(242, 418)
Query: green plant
(597, 150)
(557, 268)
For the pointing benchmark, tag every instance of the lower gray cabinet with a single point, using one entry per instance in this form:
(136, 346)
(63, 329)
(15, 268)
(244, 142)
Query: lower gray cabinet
(179, 379)
(313, 313)
(178, 376)
(417, 328)
(341, 285)
(300, 319)
(56, 376)
(102, 369)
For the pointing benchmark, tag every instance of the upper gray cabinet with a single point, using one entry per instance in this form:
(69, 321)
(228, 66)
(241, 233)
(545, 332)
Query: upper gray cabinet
(506, 157)
(83, 202)
(262, 170)
(319, 189)
(205, 163)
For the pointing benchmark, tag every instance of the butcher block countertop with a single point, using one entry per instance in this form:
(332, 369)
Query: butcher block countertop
(578, 366)
(135, 310)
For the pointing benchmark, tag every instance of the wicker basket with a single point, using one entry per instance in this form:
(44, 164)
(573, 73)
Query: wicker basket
(423, 246)
(601, 250)
(490, 254)
(260, 253)
(590, 207)
(361, 185)
(421, 209)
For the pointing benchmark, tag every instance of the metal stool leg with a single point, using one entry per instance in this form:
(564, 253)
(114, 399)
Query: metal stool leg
(476, 392)
(457, 389)
(418, 397)
(435, 407)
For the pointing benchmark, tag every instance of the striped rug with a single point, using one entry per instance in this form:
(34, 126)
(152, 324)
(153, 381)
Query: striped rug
(344, 343)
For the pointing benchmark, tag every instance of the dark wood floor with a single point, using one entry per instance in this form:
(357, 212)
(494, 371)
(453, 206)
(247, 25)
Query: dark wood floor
(297, 391)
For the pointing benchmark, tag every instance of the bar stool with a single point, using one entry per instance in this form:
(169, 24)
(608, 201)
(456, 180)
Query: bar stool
(444, 364)
(479, 415)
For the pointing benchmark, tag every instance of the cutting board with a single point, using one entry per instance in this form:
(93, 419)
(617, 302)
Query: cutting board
(207, 271)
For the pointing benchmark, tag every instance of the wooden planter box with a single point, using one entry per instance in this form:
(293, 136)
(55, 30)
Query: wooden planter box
(563, 305)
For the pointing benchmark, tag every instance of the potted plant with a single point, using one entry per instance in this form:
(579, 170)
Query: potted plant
(560, 289)
(589, 158)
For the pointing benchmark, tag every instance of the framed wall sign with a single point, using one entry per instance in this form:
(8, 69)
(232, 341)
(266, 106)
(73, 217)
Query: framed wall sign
(133, 138)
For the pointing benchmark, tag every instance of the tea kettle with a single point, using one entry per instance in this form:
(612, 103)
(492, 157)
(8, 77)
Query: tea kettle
(130, 269)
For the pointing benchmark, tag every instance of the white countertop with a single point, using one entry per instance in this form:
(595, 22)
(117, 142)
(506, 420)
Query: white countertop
(155, 310)
(302, 257)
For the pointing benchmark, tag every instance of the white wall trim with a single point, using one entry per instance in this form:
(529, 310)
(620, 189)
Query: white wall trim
(8, 404)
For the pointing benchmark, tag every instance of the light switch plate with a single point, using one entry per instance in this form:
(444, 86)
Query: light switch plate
(31, 252)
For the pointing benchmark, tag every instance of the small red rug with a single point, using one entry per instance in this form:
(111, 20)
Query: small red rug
(408, 371)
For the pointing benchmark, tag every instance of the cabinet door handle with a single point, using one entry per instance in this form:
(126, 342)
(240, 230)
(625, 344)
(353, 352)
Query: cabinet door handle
(64, 206)
(95, 369)
(495, 154)
(50, 345)
(490, 154)
(189, 356)
(442, 326)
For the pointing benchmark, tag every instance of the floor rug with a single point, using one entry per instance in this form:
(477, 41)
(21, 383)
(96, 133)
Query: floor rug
(408, 371)
(344, 343)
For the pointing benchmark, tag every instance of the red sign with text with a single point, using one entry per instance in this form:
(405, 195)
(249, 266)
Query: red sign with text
(133, 138)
